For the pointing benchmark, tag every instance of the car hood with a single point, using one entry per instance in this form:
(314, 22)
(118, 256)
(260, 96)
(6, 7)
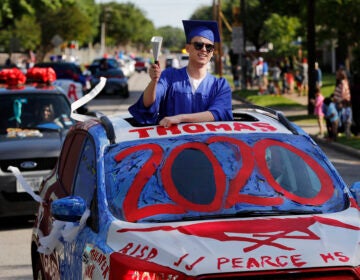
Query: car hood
(44, 144)
(263, 243)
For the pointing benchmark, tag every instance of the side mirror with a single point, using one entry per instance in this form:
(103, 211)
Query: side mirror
(68, 209)
(355, 191)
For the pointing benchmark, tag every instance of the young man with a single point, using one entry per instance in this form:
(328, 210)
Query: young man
(188, 94)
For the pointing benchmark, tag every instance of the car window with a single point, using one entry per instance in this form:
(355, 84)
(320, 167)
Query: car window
(25, 110)
(291, 172)
(219, 176)
(69, 158)
(85, 179)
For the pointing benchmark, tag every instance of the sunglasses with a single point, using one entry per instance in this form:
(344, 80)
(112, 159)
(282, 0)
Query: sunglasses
(199, 46)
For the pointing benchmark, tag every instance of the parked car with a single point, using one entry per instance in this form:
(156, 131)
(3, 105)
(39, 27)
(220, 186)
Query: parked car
(70, 78)
(34, 119)
(184, 60)
(141, 64)
(67, 71)
(252, 198)
(116, 83)
(103, 63)
(127, 65)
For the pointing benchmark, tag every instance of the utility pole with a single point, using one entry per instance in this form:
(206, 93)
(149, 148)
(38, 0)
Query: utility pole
(220, 43)
(311, 53)
(218, 55)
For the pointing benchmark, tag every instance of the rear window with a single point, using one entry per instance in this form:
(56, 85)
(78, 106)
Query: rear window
(220, 176)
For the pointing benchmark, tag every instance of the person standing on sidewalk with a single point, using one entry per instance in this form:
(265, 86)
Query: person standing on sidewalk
(346, 118)
(342, 89)
(318, 110)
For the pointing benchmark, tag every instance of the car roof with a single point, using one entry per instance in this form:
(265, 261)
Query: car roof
(31, 88)
(249, 119)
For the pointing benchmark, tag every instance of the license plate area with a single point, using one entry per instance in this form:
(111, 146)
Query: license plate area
(33, 182)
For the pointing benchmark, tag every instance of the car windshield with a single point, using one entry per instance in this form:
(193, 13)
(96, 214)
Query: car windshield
(218, 176)
(34, 111)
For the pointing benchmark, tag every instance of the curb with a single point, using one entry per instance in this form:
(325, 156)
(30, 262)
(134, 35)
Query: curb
(337, 146)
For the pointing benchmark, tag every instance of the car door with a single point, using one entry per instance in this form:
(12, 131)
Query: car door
(83, 184)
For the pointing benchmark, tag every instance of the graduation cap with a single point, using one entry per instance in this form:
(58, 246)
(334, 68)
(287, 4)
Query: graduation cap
(204, 28)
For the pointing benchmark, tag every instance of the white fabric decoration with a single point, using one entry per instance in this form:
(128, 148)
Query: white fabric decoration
(23, 183)
(85, 99)
(67, 230)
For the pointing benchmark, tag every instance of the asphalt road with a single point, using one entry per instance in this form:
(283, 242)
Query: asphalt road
(15, 234)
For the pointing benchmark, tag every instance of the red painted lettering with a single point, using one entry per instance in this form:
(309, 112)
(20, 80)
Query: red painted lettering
(237, 262)
(327, 257)
(142, 132)
(142, 253)
(334, 256)
(152, 254)
(267, 260)
(193, 128)
(126, 248)
(296, 261)
(252, 263)
(180, 260)
(191, 266)
(214, 127)
(241, 126)
(135, 250)
(264, 126)
(174, 130)
(341, 257)
(282, 264)
(222, 261)
(89, 271)
(105, 272)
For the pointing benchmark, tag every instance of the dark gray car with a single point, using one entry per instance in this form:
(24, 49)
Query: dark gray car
(33, 124)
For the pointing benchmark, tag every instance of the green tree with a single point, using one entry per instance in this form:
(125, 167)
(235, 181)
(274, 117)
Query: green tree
(71, 19)
(173, 38)
(28, 32)
(71, 23)
(125, 24)
(339, 20)
(281, 31)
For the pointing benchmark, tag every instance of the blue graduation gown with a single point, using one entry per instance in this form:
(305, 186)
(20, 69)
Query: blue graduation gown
(174, 96)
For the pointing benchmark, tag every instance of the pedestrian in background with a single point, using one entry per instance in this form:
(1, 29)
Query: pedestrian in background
(332, 115)
(342, 89)
(305, 76)
(318, 75)
(346, 118)
(318, 110)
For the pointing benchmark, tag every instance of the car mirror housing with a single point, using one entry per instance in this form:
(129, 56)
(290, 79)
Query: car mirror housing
(68, 209)
(355, 191)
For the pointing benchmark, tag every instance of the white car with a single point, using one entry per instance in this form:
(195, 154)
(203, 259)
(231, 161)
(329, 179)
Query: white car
(252, 198)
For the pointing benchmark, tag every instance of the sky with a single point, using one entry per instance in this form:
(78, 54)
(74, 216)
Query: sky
(167, 12)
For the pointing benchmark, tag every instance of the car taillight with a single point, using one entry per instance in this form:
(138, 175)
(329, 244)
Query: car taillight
(123, 267)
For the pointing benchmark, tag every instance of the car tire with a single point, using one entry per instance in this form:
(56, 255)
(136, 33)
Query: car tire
(126, 93)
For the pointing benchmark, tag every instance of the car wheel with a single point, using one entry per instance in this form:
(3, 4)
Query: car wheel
(126, 93)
